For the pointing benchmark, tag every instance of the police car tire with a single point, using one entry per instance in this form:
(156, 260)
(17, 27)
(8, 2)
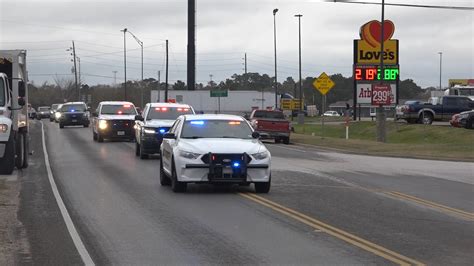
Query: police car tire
(7, 164)
(176, 186)
(164, 179)
(263, 187)
(142, 154)
(20, 149)
(137, 149)
(100, 138)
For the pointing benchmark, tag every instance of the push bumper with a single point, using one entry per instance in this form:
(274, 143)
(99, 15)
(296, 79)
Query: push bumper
(150, 145)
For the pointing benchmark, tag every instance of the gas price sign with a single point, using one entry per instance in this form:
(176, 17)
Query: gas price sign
(371, 73)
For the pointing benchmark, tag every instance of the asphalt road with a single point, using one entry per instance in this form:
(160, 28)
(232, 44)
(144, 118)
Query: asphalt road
(324, 208)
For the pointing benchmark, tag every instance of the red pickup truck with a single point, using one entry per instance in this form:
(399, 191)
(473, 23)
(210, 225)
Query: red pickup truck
(271, 125)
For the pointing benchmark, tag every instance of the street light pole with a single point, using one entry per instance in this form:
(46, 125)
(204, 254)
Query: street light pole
(275, 46)
(440, 65)
(141, 45)
(125, 62)
(301, 114)
(381, 118)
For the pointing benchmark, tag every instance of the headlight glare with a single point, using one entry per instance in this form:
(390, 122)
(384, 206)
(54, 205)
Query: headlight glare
(189, 155)
(102, 124)
(57, 115)
(3, 128)
(260, 155)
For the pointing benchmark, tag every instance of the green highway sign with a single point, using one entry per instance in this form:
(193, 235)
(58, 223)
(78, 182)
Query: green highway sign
(219, 93)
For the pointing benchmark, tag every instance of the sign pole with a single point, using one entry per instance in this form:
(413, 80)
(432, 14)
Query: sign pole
(219, 103)
(381, 129)
(322, 119)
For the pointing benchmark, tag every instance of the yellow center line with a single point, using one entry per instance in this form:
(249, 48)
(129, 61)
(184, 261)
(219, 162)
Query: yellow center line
(443, 208)
(331, 230)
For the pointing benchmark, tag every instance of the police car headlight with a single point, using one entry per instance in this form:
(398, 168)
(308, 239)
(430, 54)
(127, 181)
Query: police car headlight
(102, 124)
(149, 131)
(3, 128)
(57, 115)
(260, 155)
(189, 155)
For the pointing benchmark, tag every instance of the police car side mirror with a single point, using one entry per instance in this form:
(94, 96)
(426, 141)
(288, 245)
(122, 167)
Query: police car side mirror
(255, 135)
(168, 135)
(139, 118)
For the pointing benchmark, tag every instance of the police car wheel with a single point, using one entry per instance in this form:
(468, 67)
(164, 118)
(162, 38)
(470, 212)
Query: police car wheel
(176, 186)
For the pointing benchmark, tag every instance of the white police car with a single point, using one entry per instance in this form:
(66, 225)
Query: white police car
(214, 149)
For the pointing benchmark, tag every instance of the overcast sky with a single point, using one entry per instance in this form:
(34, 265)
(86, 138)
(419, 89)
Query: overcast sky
(226, 29)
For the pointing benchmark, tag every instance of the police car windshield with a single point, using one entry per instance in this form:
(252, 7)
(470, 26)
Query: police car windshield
(2, 94)
(216, 129)
(167, 113)
(73, 108)
(118, 109)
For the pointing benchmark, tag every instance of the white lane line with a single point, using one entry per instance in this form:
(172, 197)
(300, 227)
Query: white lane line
(85, 256)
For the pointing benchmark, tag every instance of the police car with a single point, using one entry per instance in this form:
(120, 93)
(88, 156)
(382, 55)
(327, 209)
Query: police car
(214, 149)
(157, 119)
(114, 120)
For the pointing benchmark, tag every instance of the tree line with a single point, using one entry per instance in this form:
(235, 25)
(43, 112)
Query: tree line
(64, 89)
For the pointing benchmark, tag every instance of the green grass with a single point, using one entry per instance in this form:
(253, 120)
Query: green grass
(437, 142)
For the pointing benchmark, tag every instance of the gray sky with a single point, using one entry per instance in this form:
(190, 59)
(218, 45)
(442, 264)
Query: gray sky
(226, 29)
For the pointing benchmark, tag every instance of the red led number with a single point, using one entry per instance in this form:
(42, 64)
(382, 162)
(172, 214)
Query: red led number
(358, 74)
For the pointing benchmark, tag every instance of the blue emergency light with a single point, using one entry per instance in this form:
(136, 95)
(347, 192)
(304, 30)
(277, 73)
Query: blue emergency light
(197, 122)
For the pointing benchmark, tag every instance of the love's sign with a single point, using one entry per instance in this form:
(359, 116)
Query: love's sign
(367, 49)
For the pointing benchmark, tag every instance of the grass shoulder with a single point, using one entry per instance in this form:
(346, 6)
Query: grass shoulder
(403, 140)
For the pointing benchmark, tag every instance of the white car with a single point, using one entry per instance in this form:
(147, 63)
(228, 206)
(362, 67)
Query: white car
(114, 120)
(331, 113)
(214, 149)
(157, 119)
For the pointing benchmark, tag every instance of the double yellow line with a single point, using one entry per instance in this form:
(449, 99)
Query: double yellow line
(442, 208)
(336, 232)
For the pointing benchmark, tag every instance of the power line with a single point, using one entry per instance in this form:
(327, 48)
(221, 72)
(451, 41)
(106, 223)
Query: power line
(464, 8)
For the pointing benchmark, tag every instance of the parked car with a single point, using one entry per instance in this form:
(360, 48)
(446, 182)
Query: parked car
(43, 112)
(157, 119)
(455, 121)
(74, 114)
(216, 149)
(114, 120)
(428, 112)
(331, 113)
(466, 119)
(52, 111)
(271, 124)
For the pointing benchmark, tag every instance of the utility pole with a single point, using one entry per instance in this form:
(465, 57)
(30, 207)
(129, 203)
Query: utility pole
(125, 63)
(115, 77)
(166, 74)
(245, 63)
(381, 118)
(275, 50)
(440, 65)
(141, 45)
(159, 87)
(191, 71)
(75, 71)
(300, 114)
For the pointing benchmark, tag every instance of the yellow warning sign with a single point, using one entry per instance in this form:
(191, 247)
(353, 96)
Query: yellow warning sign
(323, 83)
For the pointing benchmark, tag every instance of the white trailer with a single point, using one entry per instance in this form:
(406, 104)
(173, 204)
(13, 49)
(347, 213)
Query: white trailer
(236, 102)
(14, 138)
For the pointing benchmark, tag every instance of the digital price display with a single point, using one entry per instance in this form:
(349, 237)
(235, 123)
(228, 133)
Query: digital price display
(373, 73)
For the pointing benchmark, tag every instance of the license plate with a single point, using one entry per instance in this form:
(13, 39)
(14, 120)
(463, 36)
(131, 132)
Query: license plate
(227, 170)
(120, 133)
(74, 120)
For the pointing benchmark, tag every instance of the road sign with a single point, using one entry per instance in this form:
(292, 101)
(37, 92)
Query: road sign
(382, 94)
(219, 93)
(290, 104)
(323, 83)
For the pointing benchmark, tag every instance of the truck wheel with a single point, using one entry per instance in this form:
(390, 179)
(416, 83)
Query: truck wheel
(137, 149)
(86, 125)
(164, 180)
(286, 140)
(20, 151)
(61, 125)
(177, 186)
(7, 163)
(100, 138)
(427, 118)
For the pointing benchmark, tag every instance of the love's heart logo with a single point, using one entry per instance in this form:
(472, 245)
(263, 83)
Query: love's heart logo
(371, 31)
